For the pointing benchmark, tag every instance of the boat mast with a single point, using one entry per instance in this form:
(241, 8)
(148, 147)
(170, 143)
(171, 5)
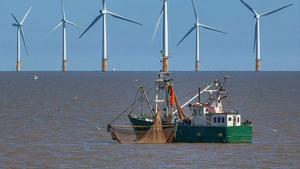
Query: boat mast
(163, 78)
(161, 82)
(165, 54)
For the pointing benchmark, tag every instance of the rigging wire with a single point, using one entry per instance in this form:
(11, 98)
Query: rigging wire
(126, 108)
(188, 94)
(235, 109)
(132, 105)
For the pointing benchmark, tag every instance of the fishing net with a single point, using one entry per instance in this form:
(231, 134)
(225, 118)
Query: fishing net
(153, 134)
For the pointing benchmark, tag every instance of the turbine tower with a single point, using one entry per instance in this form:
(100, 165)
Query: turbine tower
(165, 51)
(20, 34)
(103, 14)
(63, 23)
(257, 16)
(197, 27)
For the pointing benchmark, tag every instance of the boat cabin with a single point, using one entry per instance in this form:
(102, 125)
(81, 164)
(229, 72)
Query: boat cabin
(225, 119)
(205, 115)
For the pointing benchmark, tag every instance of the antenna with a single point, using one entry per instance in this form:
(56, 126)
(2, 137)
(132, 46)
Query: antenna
(199, 95)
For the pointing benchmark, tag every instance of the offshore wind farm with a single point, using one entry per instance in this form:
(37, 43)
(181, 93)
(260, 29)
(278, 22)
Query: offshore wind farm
(110, 39)
(123, 84)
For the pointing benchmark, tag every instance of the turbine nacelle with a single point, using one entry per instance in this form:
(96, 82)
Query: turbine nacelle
(257, 16)
(103, 12)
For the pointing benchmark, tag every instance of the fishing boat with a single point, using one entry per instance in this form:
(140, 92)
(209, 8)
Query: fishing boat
(207, 121)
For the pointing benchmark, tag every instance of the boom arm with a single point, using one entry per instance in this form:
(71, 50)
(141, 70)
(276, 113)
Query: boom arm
(196, 96)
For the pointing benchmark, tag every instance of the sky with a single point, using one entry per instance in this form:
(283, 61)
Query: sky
(130, 47)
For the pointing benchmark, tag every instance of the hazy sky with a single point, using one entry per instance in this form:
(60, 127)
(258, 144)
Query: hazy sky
(130, 46)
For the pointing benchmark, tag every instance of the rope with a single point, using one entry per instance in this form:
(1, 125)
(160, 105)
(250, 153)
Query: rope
(188, 94)
(235, 109)
(129, 126)
(141, 99)
(126, 108)
(130, 106)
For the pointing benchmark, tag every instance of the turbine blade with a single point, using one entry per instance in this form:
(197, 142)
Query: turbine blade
(15, 18)
(255, 36)
(187, 34)
(158, 22)
(56, 27)
(249, 7)
(276, 10)
(74, 24)
(63, 9)
(213, 29)
(24, 18)
(23, 39)
(103, 3)
(94, 21)
(122, 18)
(195, 12)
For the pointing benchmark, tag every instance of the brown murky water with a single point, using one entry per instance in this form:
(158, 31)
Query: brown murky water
(59, 121)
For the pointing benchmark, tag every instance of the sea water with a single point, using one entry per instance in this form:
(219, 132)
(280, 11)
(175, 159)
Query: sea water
(59, 121)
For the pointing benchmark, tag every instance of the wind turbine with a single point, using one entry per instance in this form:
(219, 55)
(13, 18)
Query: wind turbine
(165, 51)
(63, 23)
(20, 34)
(257, 16)
(197, 27)
(103, 14)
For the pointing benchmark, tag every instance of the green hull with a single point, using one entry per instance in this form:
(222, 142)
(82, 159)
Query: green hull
(205, 134)
(200, 134)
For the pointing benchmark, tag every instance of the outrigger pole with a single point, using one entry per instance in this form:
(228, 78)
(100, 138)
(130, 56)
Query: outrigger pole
(196, 96)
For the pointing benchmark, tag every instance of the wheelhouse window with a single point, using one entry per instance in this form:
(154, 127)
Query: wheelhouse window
(195, 112)
(215, 119)
(229, 119)
(223, 120)
(219, 120)
(201, 112)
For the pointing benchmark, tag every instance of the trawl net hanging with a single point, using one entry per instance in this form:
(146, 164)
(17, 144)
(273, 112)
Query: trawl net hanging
(154, 134)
